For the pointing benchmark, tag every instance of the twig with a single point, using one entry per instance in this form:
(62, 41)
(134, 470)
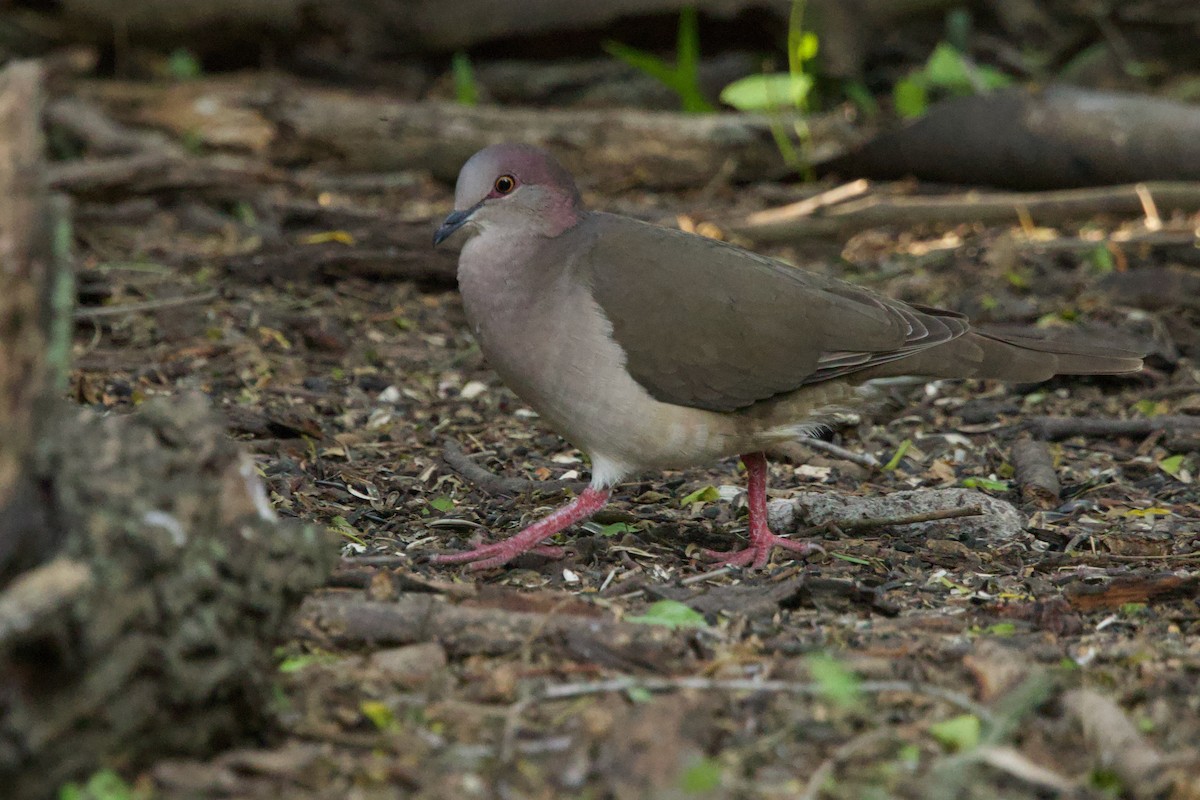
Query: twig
(1045, 208)
(491, 483)
(564, 691)
(1065, 427)
(1034, 469)
(862, 459)
(1116, 743)
(882, 522)
(1015, 763)
(809, 205)
(824, 771)
(1149, 209)
(688, 581)
(103, 135)
(145, 305)
(40, 593)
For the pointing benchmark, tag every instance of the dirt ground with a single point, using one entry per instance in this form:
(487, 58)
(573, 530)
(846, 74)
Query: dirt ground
(897, 664)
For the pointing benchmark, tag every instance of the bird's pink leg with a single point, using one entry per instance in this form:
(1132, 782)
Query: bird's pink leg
(589, 501)
(762, 541)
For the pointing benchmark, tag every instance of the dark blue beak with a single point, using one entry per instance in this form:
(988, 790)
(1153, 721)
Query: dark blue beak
(452, 223)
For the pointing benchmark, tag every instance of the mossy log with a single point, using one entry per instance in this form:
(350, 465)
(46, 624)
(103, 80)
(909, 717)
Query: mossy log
(143, 575)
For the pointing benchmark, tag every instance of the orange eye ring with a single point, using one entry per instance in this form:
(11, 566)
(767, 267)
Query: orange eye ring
(505, 184)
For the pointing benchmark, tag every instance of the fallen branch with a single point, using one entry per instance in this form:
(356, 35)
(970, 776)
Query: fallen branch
(858, 525)
(1045, 138)
(149, 173)
(38, 594)
(811, 689)
(491, 483)
(824, 771)
(862, 459)
(1116, 743)
(143, 306)
(1121, 591)
(1066, 427)
(625, 148)
(1034, 469)
(103, 135)
(1043, 208)
(474, 630)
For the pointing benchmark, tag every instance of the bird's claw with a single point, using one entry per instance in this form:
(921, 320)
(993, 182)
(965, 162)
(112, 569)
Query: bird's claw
(756, 555)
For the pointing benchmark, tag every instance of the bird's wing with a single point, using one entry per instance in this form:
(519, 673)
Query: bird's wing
(709, 325)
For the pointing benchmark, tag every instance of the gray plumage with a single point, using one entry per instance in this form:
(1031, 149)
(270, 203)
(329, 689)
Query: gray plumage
(648, 347)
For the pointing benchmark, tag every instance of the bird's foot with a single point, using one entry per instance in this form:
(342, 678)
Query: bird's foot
(755, 556)
(530, 540)
(494, 555)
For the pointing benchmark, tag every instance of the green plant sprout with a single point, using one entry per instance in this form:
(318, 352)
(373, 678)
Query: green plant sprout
(948, 71)
(466, 88)
(683, 77)
(778, 91)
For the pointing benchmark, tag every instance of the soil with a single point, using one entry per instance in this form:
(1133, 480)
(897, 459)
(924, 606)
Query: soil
(896, 664)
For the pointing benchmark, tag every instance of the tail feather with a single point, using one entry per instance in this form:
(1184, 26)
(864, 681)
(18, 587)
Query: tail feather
(1017, 358)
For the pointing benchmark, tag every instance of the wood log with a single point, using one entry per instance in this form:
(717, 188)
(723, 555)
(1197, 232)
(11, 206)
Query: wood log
(659, 150)
(296, 123)
(152, 634)
(1056, 137)
(143, 575)
(25, 281)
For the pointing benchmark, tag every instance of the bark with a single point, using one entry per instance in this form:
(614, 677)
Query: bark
(1057, 137)
(143, 575)
(630, 148)
(151, 633)
(26, 259)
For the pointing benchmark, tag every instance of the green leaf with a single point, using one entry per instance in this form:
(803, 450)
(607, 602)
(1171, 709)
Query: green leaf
(1150, 408)
(992, 78)
(639, 694)
(670, 614)
(684, 77)
(615, 528)
(807, 47)
(958, 733)
(898, 456)
(985, 483)
(858, 93)
(466, 89)
(948, 69)
(767, 92)
(102, 785)
(297, 663)
(852, 559)
(183, 65)
(1001, 629)
(910, 98)
(442, 504)
(838, 684)
(346, 530)
(642, 61)
(380, 714)
(705, 494)
(1172, 465)
(700, 777)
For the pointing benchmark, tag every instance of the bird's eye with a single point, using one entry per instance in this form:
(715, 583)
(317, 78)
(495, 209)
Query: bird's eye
(505, 184)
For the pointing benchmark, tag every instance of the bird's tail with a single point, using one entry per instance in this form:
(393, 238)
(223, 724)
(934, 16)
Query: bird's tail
(1018, 358)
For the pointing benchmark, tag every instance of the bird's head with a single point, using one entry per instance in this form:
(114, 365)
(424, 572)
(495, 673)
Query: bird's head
(514, 187)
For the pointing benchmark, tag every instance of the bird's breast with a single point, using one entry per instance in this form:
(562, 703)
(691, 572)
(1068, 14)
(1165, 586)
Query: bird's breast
(552, 345)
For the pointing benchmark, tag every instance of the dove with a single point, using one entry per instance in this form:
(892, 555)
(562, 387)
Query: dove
(650, 348)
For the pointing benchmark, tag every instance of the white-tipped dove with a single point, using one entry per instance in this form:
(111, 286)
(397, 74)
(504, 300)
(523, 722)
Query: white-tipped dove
(651, 348)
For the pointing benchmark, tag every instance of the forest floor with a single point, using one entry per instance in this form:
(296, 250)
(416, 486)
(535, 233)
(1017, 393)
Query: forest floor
(903, 662)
